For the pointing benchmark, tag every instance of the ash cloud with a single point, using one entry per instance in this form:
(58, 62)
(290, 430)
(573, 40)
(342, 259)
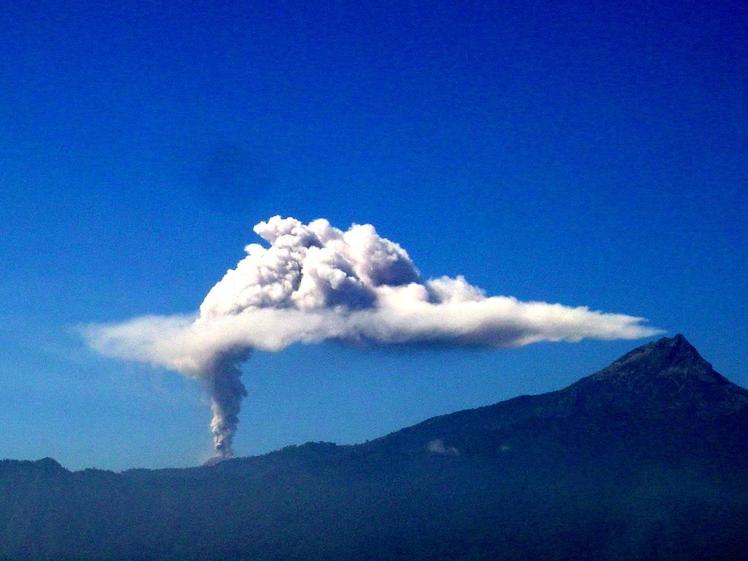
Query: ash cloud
(313, 282)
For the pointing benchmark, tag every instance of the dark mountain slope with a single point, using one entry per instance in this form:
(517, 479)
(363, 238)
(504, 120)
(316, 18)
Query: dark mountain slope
(643, 460)
(659, 396)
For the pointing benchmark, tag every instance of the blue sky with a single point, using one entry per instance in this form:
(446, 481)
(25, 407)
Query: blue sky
(585, 153)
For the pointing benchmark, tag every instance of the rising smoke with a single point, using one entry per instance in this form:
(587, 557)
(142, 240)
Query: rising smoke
(314, 283)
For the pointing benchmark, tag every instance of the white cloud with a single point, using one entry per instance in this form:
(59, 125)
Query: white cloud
(437, 447)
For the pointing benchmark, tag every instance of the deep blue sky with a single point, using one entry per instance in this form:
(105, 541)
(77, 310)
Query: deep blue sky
(586, 153)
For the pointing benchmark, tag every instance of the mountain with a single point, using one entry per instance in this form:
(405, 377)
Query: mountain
(659, 398)
(642, 460)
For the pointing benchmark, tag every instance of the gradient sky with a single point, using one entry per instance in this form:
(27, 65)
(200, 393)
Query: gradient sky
(584, 153)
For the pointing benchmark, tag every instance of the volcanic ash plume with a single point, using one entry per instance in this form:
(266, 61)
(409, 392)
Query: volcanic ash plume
(314, 282)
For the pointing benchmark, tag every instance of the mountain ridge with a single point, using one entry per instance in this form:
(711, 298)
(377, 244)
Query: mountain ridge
(642, 460)
(667, 358)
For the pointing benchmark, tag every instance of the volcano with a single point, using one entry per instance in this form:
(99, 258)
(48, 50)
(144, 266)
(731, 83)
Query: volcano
(645, 459)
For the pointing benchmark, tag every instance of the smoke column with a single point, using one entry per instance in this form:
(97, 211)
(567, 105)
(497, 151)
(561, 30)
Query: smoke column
(314, 282)
(224, 385)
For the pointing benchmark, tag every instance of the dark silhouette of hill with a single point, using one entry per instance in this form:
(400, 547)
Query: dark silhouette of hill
(643, 460)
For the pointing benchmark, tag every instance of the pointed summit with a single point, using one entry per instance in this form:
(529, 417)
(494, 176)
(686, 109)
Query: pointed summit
(662, 376)
(677, 350)
(672, 357)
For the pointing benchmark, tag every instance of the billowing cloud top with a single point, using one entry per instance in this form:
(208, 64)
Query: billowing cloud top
(314, 282)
